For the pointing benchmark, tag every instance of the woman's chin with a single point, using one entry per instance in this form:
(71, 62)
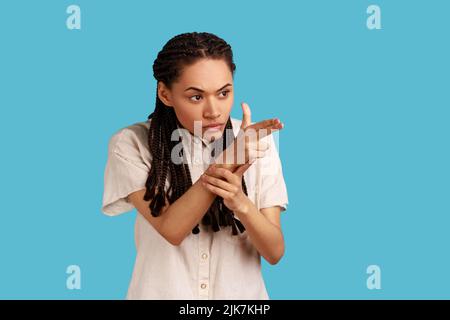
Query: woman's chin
(212, 134)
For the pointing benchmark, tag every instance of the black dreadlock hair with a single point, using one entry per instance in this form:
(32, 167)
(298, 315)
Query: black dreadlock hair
(182, 50)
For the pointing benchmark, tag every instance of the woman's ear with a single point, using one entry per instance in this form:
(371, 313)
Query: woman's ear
(164, 94)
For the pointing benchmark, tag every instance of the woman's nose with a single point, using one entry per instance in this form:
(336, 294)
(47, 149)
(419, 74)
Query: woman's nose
(211, 111)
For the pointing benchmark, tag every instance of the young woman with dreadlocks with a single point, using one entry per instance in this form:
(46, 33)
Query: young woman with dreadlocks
(202, 225)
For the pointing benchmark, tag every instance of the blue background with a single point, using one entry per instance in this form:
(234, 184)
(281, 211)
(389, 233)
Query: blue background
(365, 148)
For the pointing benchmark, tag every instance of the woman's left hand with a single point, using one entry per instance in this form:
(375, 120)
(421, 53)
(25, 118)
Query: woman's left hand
(227, 185)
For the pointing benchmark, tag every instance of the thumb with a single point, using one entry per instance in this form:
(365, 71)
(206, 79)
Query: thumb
(246, 115)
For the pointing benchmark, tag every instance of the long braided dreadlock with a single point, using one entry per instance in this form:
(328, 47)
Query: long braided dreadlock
(182, 50)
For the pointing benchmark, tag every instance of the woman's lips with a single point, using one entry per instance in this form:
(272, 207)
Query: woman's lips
(216, 127)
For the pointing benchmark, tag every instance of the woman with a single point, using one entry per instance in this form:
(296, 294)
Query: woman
(203, 222)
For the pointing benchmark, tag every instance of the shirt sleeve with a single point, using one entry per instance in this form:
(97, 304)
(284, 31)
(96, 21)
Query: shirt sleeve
(273, 190)
(126, 171)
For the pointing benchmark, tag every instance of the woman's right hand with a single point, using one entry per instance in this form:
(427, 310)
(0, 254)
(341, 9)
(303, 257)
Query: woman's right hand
(247, 146)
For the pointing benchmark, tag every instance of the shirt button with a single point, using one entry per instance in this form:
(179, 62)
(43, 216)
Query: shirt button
(204, 256)
(203, 286)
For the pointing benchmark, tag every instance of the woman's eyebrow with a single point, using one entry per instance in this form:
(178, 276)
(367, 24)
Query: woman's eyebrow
(200, 90)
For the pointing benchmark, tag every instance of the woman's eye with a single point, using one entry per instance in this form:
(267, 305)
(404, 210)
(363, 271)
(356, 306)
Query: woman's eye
(197, 96)
(226, 93)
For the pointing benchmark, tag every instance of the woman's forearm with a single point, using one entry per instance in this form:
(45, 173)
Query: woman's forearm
(265, 236)
(186, 212)
(182, 215)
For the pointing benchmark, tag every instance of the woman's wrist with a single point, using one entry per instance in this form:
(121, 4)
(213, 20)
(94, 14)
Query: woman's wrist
(231, 167)
(228, 158)
(246, 206)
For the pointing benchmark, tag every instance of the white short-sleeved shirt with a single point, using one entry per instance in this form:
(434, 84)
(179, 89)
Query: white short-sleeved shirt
(207, 265)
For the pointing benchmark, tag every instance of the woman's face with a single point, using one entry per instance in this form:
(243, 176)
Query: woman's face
(204, 93)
